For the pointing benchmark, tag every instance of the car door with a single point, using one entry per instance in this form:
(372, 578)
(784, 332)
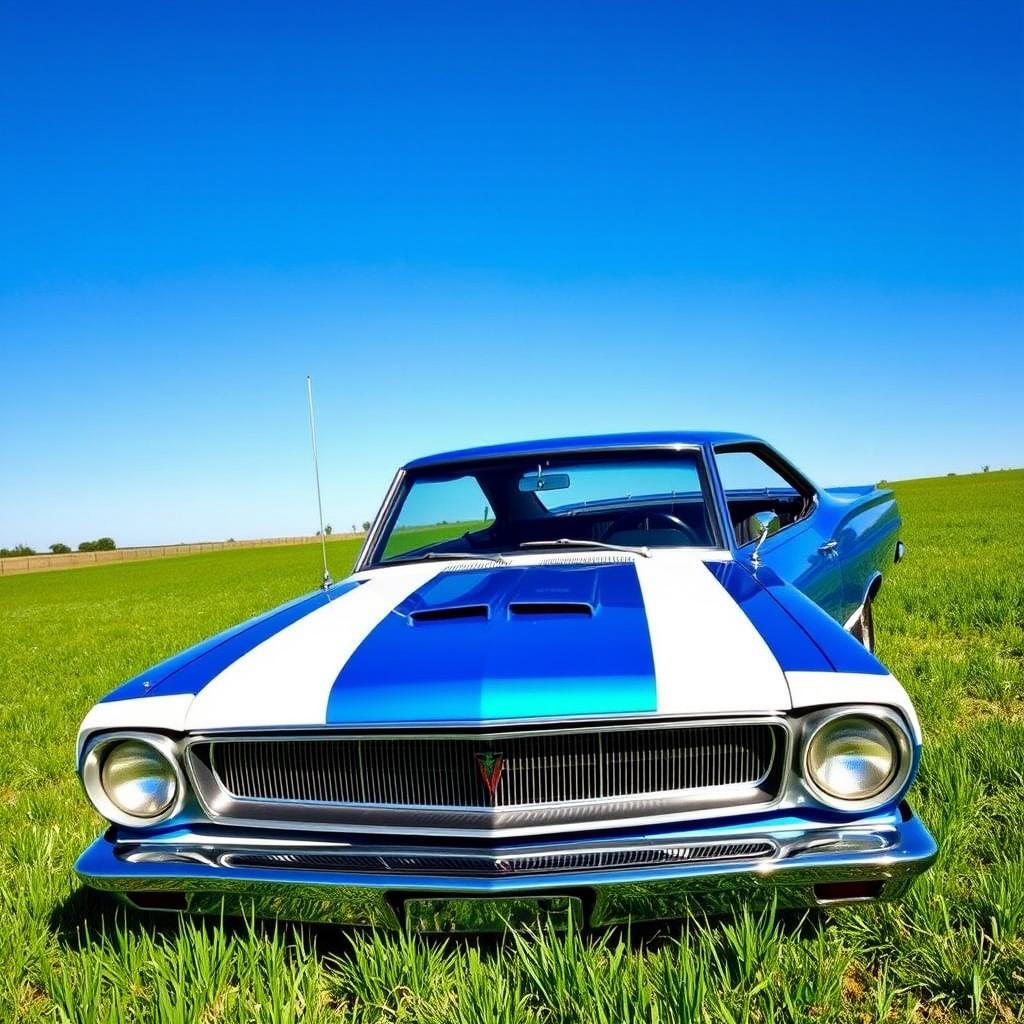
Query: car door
(803, 551)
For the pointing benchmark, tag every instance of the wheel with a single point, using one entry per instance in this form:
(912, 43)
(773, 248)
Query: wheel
(865, 628)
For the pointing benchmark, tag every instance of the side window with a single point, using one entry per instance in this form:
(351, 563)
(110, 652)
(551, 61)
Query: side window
(752, 485)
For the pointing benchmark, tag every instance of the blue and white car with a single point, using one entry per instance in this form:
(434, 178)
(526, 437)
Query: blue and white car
(618, 678)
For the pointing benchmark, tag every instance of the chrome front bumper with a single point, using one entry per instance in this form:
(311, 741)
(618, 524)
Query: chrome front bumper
(813, 863)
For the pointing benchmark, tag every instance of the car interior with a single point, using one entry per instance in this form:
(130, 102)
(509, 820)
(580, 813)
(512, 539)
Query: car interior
(527, 506)
(641, 523)
(779, 489)
(787, 504)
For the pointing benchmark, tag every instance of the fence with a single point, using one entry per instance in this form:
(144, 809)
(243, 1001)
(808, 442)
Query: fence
(40, 563)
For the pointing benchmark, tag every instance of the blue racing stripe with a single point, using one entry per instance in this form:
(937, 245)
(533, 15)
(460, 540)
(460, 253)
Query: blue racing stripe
(793, 648)
(530, 642)
(191, 669)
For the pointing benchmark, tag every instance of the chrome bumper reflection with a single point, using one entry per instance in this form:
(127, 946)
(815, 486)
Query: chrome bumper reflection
(199, 876)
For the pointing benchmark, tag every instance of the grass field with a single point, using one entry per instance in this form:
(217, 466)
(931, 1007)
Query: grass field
(412, 537)
(951, 626)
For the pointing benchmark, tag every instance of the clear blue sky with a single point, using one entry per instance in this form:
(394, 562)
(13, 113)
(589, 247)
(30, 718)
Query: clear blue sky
(477, 223)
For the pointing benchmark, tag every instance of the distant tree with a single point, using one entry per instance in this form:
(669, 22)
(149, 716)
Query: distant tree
(354, 528)
(366, 525)
(18, 549)
(984, 469)
(328, 529)
(101, 544)
(60, 549)
(951, 474)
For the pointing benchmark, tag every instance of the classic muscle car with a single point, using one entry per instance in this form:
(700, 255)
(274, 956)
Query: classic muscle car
(614, 678)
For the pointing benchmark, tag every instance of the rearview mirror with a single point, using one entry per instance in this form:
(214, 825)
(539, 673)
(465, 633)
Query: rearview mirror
(762, 525)
(532, 482)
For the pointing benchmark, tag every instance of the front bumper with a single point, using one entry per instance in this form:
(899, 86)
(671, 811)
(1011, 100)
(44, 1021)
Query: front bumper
(813, 863)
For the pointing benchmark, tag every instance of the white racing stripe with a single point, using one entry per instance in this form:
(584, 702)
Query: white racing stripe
(811, 689)
(708, 657)
(154, 712)
(287, 679)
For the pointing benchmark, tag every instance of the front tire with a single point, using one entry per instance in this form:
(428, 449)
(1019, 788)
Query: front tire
(864, 631)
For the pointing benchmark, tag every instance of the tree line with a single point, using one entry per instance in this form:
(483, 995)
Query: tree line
(100, 544)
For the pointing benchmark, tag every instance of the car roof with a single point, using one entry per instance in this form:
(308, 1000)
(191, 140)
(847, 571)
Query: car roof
(595, 442)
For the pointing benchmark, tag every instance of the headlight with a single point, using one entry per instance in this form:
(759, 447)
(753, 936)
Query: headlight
(854, 758)
(134, 779)
(138, 779)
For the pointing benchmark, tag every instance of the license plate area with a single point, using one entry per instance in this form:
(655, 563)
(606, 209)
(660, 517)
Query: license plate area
(491, 914)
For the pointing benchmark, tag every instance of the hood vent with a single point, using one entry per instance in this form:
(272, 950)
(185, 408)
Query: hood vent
(539, 608)
(468, 565)
(466, 611)
(590, 559)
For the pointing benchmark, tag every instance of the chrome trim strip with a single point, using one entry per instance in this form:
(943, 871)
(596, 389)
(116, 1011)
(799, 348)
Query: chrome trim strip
(373, 535)
(611, 720)
(222, 852)
(683, 852)
(490, 732)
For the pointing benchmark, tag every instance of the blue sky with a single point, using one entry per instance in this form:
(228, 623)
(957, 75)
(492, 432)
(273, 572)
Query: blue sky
(476, 224)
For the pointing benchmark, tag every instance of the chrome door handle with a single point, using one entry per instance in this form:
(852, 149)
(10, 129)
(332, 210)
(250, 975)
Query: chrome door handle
(829, 547)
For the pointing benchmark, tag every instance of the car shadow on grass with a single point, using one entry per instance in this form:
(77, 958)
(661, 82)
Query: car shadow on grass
(88, 916)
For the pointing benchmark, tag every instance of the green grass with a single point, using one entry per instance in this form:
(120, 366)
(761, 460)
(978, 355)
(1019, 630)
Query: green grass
(410, 538)
(951, 626)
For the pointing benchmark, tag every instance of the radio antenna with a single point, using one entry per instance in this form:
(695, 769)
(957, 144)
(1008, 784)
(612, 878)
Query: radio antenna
(326, 582)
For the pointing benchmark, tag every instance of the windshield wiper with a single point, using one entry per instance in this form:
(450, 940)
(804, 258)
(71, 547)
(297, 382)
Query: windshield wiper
(570, 542)
(432, 555)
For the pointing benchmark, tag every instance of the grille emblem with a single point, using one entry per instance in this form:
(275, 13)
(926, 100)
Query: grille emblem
(491, 766)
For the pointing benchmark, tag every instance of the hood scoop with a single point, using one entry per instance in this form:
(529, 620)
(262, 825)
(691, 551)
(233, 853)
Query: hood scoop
(505, 643)
(464, 611)
(537, 609)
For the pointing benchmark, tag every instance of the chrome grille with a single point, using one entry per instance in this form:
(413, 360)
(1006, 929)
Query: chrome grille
(477, 864)
(542, 779)
(538, 768)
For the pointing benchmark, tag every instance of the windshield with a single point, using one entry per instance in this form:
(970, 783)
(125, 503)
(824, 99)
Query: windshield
(649, 500)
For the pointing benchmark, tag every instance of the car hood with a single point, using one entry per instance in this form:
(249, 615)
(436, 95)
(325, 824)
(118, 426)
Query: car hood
(471, 643)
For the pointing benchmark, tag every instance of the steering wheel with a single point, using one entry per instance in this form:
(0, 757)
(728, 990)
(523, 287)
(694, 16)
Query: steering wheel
(652, 521)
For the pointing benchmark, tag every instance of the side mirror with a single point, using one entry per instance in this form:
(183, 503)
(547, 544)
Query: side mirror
(762, 525)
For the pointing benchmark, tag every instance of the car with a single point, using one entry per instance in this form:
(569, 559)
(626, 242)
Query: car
(591, 679)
